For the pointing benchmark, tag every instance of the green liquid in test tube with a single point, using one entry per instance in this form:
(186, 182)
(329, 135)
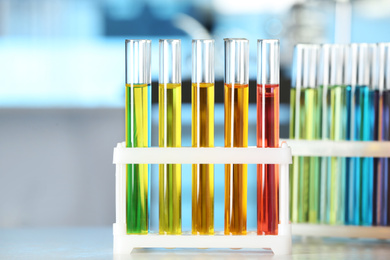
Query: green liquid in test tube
(138, 133)
(310, 115)
(339, 107)
(324, 95)
(305, 124)
(295, 108)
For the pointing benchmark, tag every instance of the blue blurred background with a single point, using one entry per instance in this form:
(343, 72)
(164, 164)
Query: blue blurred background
(62, 86)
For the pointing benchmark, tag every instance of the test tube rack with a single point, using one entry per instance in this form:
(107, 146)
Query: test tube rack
(325, 148)
(124, 243)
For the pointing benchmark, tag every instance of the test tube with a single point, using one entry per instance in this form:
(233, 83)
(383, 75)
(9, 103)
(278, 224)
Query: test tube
(311, 97)
(295, 107)
(352, 199)
(202, 100)
(236, 132)
(384, 132)
(323, 84)
(308, 174)
(307, 117)
(267, 135)
(363, 132)
(340, 96)
(138, 132)
(169, 105)
(374, 123)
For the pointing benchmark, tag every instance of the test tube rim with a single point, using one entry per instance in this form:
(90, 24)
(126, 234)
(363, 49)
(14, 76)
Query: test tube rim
(203, 40)
(170, 40)
(236, 39)
(138, 40)
(268, 40)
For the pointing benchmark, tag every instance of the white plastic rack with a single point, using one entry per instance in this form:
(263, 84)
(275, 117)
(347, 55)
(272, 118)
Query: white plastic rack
(280, 244)
(322, 148)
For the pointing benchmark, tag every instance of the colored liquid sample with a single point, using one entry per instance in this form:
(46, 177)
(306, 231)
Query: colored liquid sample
(325, 125)
(365, 133)
(384, 209)
(340, 97)
(312, 131)
(138, 132)
(236, 135)
(293, 93)
(377, 114)
(294, 167)
(267, 174)
(361, 179)
(169, 174)
(308, 179)
(202, 174)
(302, 178)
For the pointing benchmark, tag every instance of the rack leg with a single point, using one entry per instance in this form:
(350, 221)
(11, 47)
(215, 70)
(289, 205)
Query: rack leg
(282, 248)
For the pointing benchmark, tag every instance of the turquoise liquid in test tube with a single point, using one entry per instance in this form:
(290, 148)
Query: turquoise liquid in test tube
(364, 132)
(352, 204)
(339, 107)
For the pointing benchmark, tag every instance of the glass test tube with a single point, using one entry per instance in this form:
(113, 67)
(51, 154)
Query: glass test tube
(323, 84)
(236, 132)
(308, 194)
(363, 132)
(352, 192)
(311, 99)
(374, 122)
(340, 96)
(306, 170)
(138, 132)
(169, 105)
(295, 107)
(384, 132)
(267, 135)
(202, 100)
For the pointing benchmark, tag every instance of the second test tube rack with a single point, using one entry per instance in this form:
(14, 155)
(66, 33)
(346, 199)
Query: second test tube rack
(124, 243)
(327, 148)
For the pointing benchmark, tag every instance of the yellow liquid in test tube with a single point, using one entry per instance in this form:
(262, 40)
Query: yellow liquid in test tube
(170, 174)
(236, 135)
(202, 174)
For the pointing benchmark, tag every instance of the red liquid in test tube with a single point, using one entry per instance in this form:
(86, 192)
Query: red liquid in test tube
(268, 136)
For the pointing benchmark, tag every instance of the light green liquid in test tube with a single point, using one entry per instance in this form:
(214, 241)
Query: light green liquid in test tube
(293, 93)
(338, 131)
(339, 108)
(306, 170)
(324, 106)
(138, 133)
(295, 107)
(169, 104)
(312, 97)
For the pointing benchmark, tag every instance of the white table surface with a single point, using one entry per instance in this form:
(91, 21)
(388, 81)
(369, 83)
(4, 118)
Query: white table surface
(96, 243)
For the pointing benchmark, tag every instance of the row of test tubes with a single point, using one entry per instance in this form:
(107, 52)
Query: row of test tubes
(236, 95)
(341, 92)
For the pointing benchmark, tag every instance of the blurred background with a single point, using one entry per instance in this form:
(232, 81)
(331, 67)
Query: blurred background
(62, 85)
